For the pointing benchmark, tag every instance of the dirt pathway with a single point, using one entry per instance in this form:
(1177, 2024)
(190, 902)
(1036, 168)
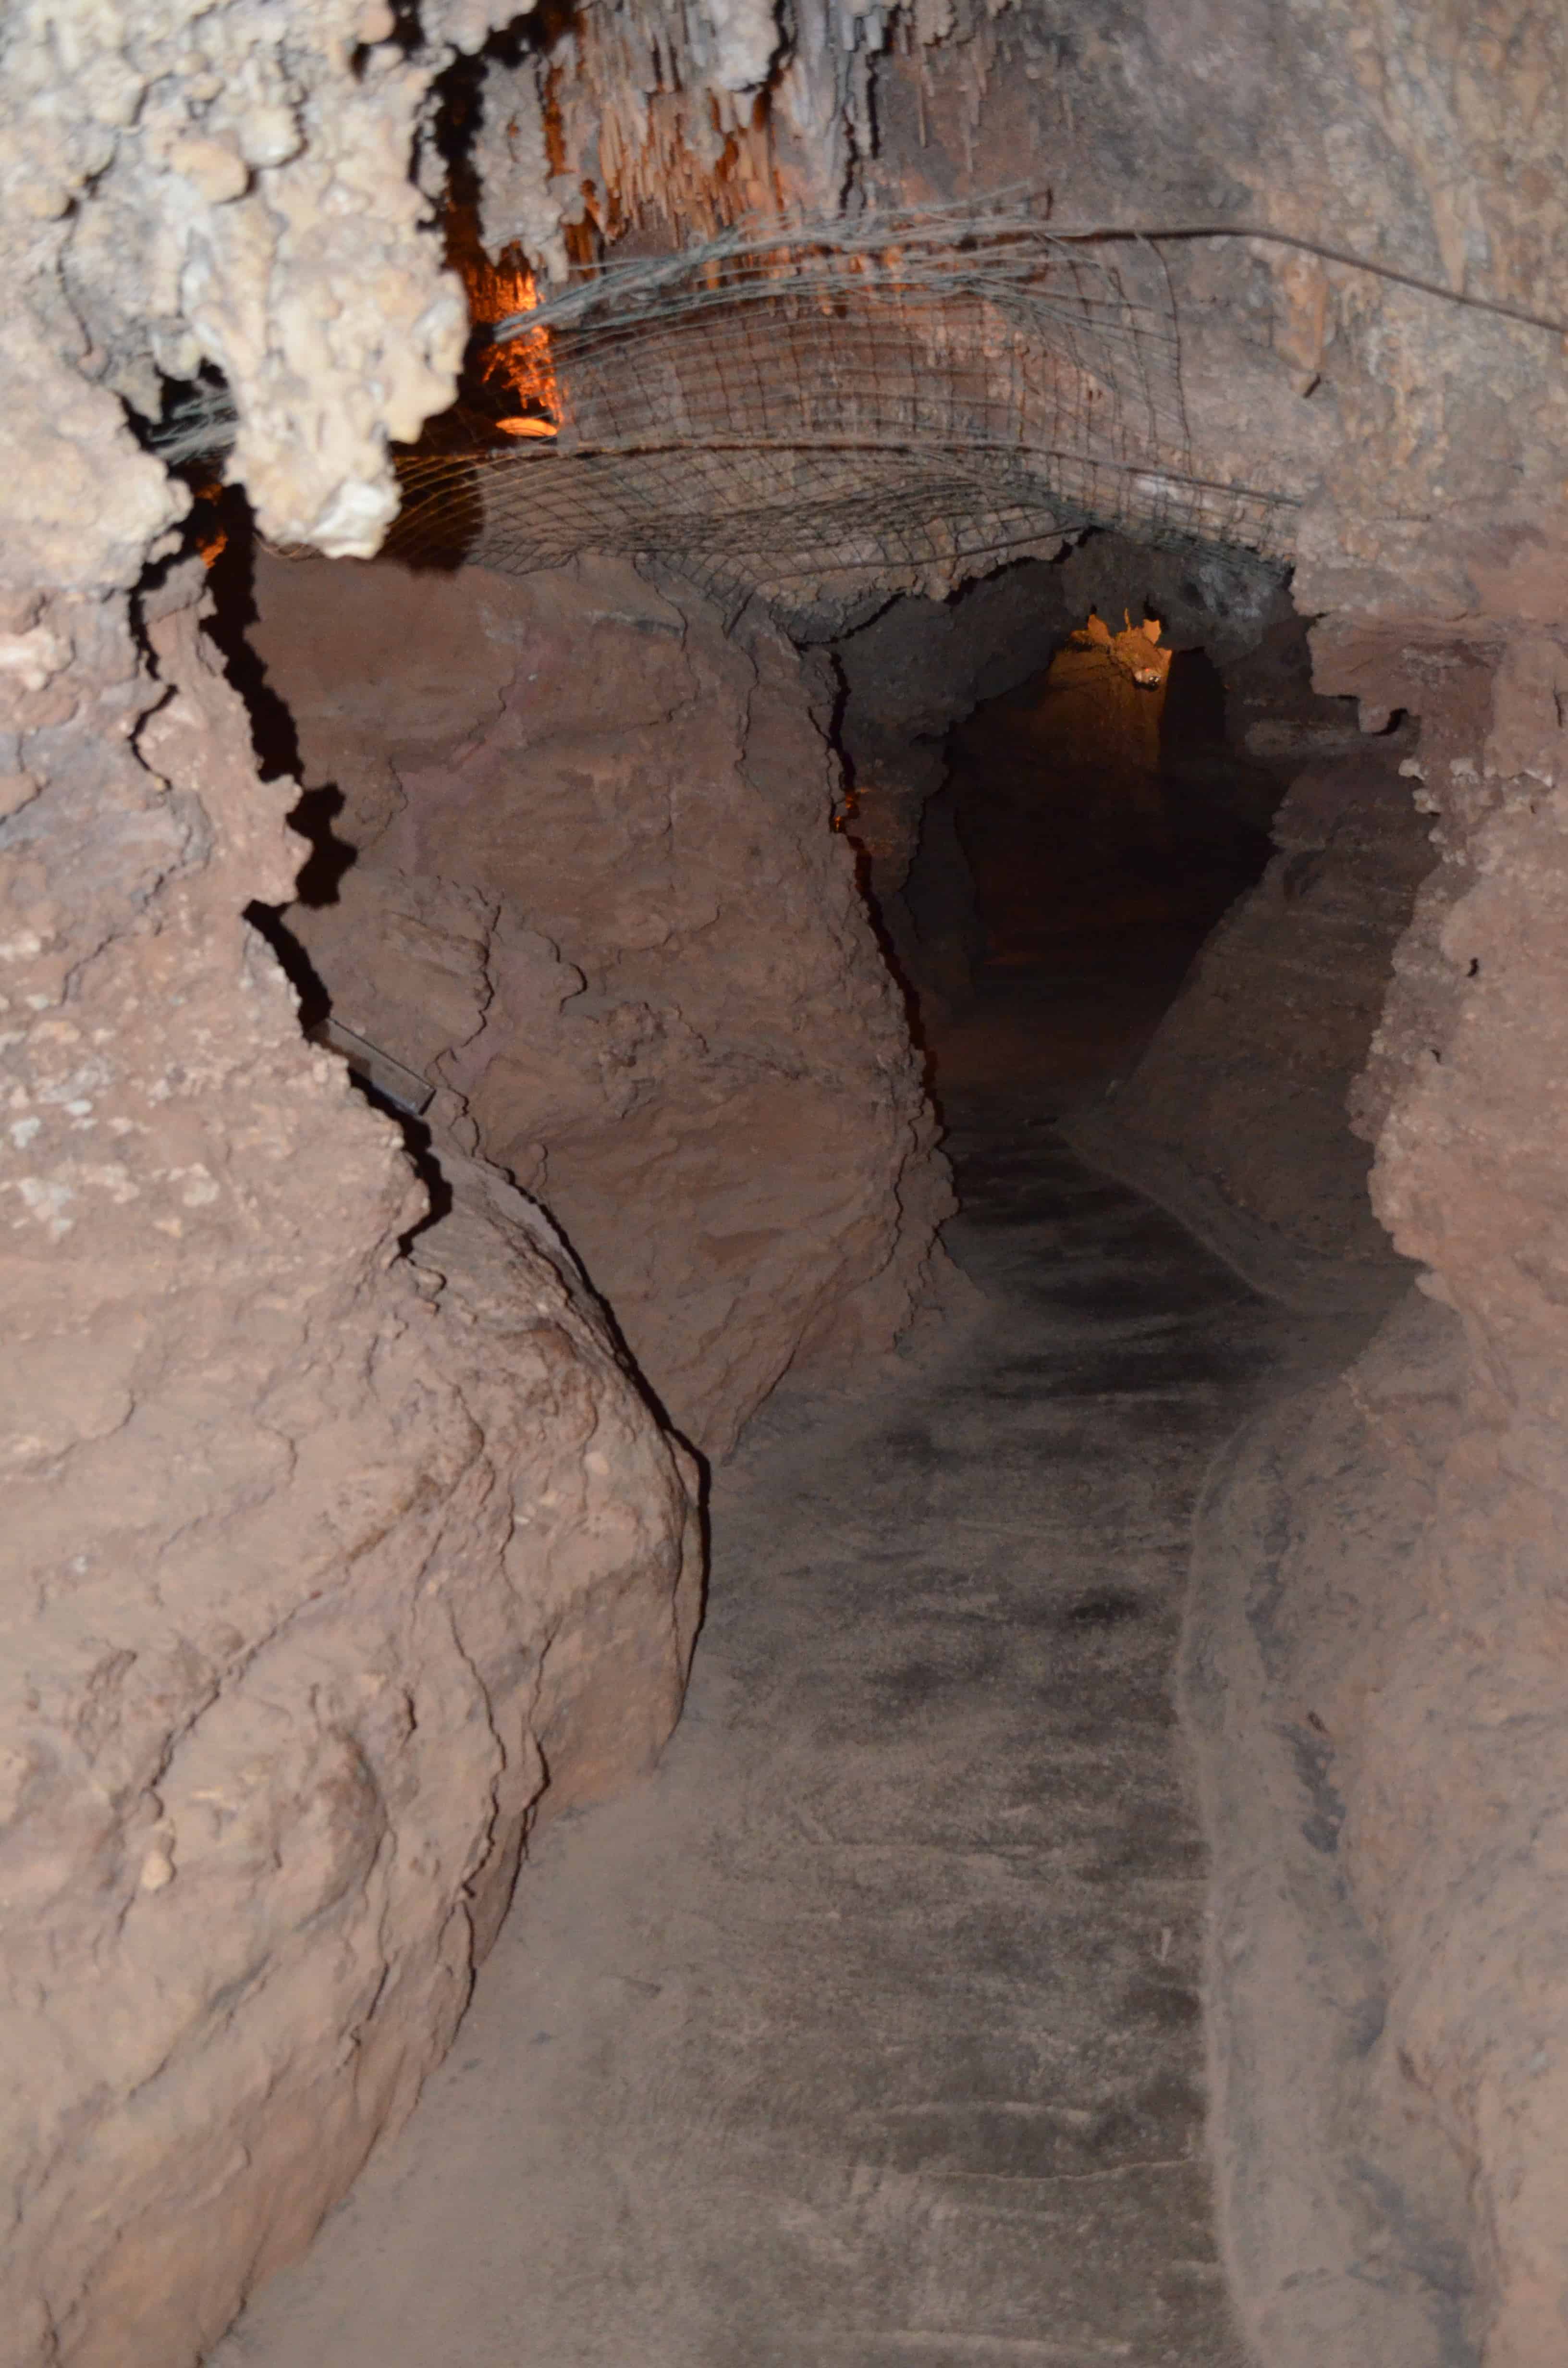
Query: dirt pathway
(867, 2032)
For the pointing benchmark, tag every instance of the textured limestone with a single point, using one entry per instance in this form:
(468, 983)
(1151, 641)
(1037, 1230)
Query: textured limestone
(1401, 1541)
(596, 901)
(678, 121)
(1456, 1790)
(1423, 441)
(250, 208)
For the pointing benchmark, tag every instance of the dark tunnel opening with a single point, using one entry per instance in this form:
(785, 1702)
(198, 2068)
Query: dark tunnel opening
(1101, 835)
(1053, 813)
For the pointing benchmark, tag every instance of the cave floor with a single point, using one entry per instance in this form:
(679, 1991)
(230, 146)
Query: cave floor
(867, 2032)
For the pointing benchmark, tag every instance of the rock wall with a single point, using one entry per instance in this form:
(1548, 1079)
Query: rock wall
(1456, 1789)
(1375, 1674)
(1236, 1117)
(321, 1558)
(280, 1568)
(596, 901)
(1423, 440)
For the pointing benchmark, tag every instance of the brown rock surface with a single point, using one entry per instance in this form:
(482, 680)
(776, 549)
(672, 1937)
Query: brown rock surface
(249, 1440)
(1456, 1799)
(1423, 439)
(596, 902)
(320, 1561)
(1394, 1607)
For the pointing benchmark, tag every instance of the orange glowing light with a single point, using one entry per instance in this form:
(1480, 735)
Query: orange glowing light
(496, 292)
(1136, 652)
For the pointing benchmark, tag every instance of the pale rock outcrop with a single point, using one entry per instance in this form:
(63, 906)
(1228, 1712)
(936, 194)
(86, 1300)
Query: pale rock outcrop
(231, 187)
(596, 901)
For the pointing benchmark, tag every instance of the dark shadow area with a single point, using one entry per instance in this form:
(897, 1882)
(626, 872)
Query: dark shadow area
(421, 1149)
(1097, 844)
(315, 1013)
(899, 970)
(1060, 779)
(226, 532)
(316, 881)
(315, 1002)
(223, 528)
(1093, 830)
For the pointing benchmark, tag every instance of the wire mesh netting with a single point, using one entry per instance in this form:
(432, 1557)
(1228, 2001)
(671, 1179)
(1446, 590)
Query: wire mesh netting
(897, 393)
(890, 398)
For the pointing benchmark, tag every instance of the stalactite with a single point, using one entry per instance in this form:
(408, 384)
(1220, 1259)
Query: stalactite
(695, 121)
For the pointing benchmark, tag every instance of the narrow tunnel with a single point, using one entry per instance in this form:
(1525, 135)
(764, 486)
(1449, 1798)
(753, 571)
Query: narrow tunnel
(782, 1028)
(803, 2047)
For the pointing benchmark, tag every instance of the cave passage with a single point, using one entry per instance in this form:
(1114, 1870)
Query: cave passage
(786, 1481)
(868, 2029)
